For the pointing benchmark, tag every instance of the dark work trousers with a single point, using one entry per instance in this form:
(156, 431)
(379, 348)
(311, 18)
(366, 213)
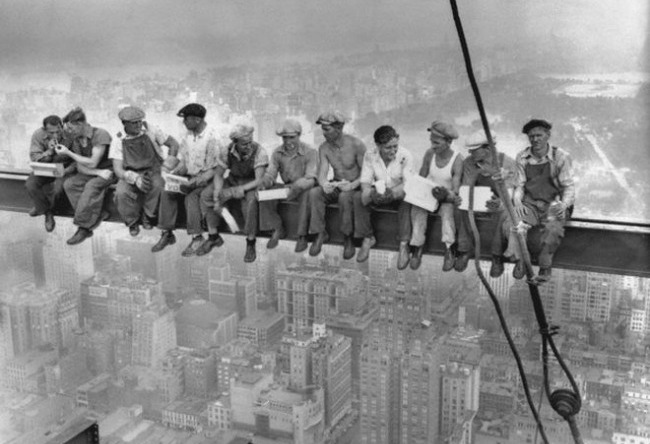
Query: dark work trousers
(350, 210)
(86, 195)
(246, 208)
(466, 238)
(44, 191)
(403, 219)
(193, 210)
(131, 201)
(270, 219)
(551, 234)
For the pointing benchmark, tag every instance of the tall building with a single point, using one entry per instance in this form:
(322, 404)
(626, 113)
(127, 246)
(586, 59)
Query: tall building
(459, 394)
(420, 389)
(357, 327)
(170, 377)
(232, 293)
(66, 267)
(113, 301)
(200, 374)
(263, 329)
(308, 294)
(200, 324)
(332, 370)
(160, 266)
(380, 396)
(154, 334)
(39, 316)
(300, 362)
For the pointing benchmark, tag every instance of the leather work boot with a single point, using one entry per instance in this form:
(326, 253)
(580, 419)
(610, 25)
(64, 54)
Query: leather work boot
(166, 238)
(318, 243)
(519, 271)
(416, 259)
(449, 260)
(544, 274)
(81, 235)
(33, 212)
(49, 222)
(496, 269)
(275, 238)
(301, 244)
(213, 240)
(462, 260)
(364, 251)
(146, 223)
(348, 248)
(251, 254)
(134, 230)
(404, 256)
(193, 246)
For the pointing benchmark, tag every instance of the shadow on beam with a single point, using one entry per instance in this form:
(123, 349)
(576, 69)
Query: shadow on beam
(598, 246)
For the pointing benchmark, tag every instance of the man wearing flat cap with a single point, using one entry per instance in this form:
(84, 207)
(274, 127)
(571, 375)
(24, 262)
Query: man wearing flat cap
(344, 153)
(87, 188)
(137, 161)
(383, 175)
(480, 170)
(197, 161)
(544, 195)
(297, 164)
(443, 166)
(247, 161)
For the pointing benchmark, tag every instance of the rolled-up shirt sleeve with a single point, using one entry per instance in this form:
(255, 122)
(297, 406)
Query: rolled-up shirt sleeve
(37, 149)
(262, 158)
(367, 171)
(222, 156)
(566, 179)
(115, 152)
(520, 170)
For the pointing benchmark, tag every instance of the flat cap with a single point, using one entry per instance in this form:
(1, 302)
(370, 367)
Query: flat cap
(289, 127)
(241, 130)
(330, 117)
(477, 140)
(192, 109)
(536, 123)
(130, 114)
(443, 129)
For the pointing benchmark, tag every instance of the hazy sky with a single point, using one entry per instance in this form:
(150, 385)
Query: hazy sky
(46, 33)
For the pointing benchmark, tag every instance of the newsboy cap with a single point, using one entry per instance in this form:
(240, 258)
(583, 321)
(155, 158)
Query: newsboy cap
(330, 117)
(241, 130)
(536, 123)
(443, 129)
(477, 140)
(289, 127)
(192, 109)
(130, 114)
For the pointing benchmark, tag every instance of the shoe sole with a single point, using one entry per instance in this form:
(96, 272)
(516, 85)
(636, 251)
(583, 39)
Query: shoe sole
(77, 243)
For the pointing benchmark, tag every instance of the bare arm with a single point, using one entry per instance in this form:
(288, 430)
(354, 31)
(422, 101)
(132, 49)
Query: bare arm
(173, 146)
(323, 168)
(219, 171)
(90, 162)
(259, 177)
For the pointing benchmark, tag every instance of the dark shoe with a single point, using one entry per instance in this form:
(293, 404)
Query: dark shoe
(81, 235)
(192, 248)
(146, 223)
(416, 259)
(134, 230)
(318, 243)
(166, 238)
(250, 255)
(348, 248)
(34, 213)
(461, 261)
(544, 274)
(275, 238)
(449, 260)
(364, 251)
(208, 244)
(404, 255)
(496, 270)
(301, 244)
(519, 271)
(49, 222)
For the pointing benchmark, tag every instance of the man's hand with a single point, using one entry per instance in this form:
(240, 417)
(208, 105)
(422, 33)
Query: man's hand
(294, 191)
(170, 163)
(367, 196)
(558, 210)
(224, 195)
(238, 192)
(494, 204)
(520, 210)
(440, 193)
(345, 185)
(329, 187)
(62, 150)
(143, 182)
(105, 174)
